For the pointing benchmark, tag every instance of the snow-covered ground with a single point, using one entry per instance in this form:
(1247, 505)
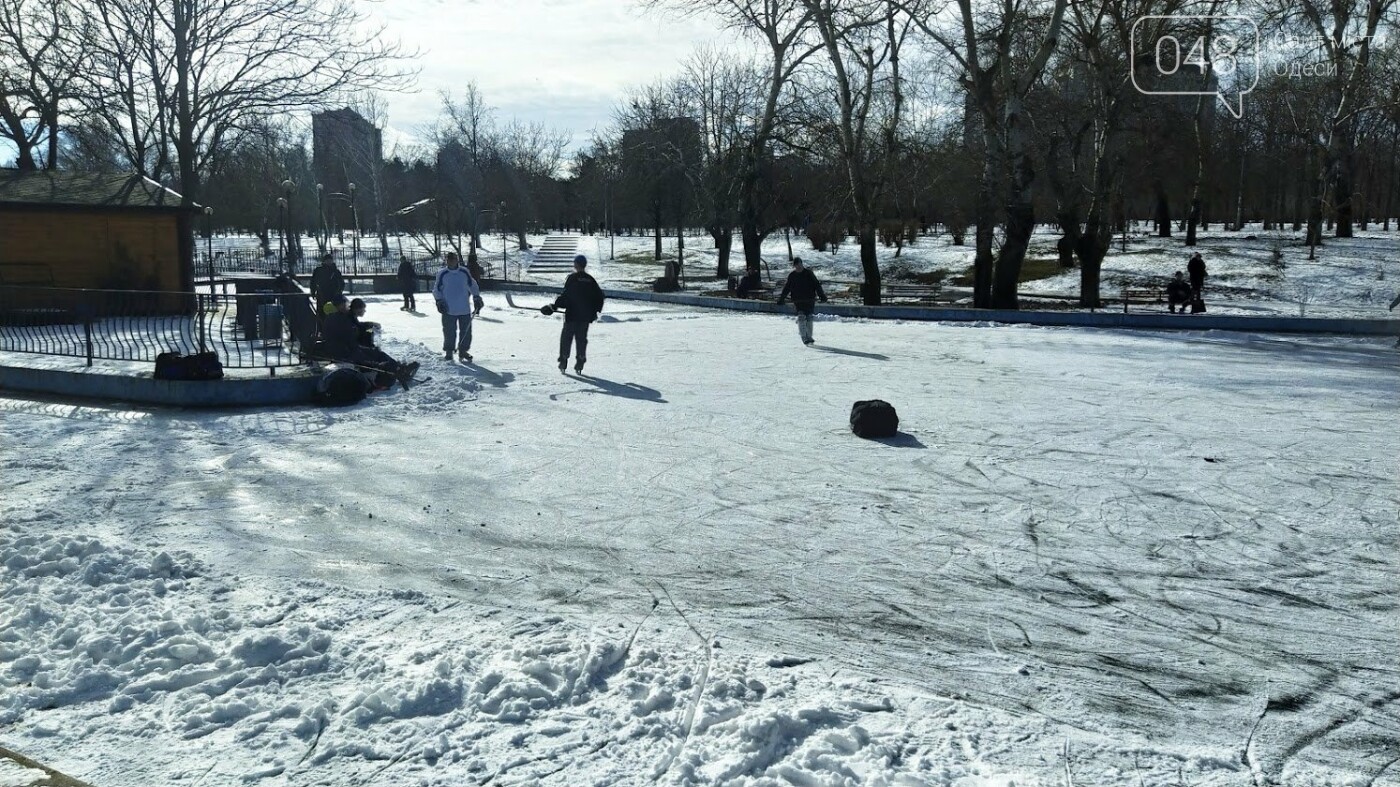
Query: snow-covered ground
(1094, 558)
(1354, 277)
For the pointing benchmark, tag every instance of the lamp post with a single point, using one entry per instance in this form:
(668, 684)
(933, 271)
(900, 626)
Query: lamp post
(282, 235)
(501, 214)
(287, 231)
(209, 243)
(355, 217)
(323, 239)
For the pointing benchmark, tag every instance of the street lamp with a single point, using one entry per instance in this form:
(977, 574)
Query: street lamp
(209, 243)
(323, 238)
(501, 214)
(282, 234)
(355, 217)
(287, 232)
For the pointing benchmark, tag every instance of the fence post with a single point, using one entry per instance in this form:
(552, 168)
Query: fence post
(87, 335)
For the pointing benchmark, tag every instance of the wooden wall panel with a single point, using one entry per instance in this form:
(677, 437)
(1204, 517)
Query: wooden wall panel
(109, 250)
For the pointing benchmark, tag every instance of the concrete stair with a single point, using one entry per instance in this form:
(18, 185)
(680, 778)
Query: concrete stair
(556, 255)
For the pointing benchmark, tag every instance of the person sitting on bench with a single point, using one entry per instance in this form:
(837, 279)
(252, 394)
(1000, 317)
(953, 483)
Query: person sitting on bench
(750, 282)
(1178, 293)
(341, 341)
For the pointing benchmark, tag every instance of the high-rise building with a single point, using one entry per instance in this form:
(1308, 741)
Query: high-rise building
(346, 149)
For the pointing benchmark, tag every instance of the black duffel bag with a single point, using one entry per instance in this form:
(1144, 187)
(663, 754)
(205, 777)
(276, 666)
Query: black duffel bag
(874, 418)
(199, 366)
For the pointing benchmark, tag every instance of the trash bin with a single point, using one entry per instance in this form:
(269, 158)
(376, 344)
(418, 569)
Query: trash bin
(270, 322)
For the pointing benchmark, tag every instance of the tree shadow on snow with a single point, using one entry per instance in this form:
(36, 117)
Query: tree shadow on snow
(856, 353)
(610, 388)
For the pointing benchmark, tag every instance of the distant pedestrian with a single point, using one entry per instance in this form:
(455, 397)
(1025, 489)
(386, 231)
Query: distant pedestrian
(806, 290)
(327, 284)
(408, 282)
(457, 294)
(1196, 271)
(1178, 293)
(581, 301)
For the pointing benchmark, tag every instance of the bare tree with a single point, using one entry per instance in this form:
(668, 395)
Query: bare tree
(997, 77)
(206, 70)
(39, 72)
(862, 42)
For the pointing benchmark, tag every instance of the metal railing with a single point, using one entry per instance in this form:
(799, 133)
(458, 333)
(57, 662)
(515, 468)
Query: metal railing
(247, 330)
(349, 263)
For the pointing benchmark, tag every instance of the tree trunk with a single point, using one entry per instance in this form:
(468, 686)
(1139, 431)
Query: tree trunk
(184, 132)
(724, 239)
(753, 245)
(1164, 214)
(1344, 162)
(1390, 180)
(656, 224)
(1092, 247)
(984, 262)
(1068, 243)
(1193, 218)
(869, 265)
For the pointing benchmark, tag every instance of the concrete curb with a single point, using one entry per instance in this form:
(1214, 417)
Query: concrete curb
(1154, 322)
(295, 388)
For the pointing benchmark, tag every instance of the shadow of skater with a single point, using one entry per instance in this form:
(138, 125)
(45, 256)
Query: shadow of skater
(856, 353)
(625, 390)
(900, 440)
(488, 377)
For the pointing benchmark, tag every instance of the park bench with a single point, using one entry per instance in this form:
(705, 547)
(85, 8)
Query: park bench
(1143, 295)
(922, 293)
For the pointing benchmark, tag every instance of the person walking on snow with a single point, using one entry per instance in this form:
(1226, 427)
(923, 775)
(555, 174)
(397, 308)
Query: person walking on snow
(805, 290)
(408, 282)
(456, 293)
(581, 301)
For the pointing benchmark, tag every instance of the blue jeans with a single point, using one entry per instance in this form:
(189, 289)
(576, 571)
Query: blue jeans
(452, 325)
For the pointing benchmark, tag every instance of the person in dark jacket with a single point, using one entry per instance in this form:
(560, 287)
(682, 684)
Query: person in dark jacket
(1196, 271)
(581, 301)
(408, 282)
(805, 290)
(327, 284)
(341, 341)
(1178, 293)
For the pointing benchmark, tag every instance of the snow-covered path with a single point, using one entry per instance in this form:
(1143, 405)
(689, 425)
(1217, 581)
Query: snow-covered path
(1160, 543)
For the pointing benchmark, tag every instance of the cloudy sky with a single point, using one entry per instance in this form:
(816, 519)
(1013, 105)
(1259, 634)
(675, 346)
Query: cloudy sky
(563, 62)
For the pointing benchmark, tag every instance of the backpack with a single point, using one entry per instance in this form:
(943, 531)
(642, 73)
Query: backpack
(341, 387)
(874, 418)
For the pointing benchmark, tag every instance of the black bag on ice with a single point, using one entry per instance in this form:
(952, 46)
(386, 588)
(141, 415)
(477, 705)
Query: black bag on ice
(341, 387)
(874, 418)
(1198, 306)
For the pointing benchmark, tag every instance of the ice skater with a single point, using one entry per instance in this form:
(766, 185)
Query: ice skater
(806, 290)
(458, 298)
(581, 301)
(327, 284)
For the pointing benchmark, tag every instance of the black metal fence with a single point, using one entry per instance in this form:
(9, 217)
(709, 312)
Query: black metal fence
(349, 263)
(247, 330)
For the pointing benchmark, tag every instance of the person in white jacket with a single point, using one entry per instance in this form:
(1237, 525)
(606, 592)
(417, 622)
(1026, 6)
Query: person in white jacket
(458, 297)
